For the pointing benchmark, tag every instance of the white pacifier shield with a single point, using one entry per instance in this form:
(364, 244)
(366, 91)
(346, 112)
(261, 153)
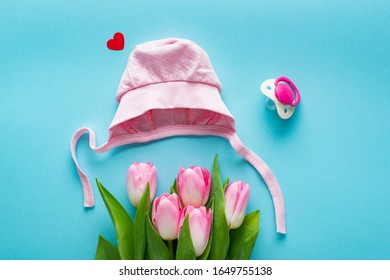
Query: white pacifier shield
(268, 89)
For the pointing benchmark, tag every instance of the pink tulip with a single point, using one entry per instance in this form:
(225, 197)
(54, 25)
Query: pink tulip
(200, 220)
(193, 185)
(236, 201)
(138, 175)
(166, 215)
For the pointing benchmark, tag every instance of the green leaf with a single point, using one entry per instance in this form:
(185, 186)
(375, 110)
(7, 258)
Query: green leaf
(139, 224)
(185, 248)
(220, 229)
(122, 223)
(210, 203)
(156, 248)
(174, 188)
(225, 184)
(106, 251)
(243, 238)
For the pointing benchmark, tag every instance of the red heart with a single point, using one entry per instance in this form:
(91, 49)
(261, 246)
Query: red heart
(117, 43)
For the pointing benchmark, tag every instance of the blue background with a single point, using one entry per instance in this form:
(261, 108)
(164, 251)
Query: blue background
(330, 158)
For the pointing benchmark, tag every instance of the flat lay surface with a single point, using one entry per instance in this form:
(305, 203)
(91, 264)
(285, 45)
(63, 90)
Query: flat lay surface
(330, 158)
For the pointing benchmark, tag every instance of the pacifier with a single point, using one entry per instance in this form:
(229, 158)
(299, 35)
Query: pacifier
(282, 95)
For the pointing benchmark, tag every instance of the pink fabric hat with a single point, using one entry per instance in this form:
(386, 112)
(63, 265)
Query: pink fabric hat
(169, 88)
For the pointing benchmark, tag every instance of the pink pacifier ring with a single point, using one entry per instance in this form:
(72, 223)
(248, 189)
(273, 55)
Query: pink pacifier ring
(284, 94)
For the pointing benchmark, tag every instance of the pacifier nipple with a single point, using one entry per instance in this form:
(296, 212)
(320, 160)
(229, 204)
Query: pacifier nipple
(270, 104)
(282, 95)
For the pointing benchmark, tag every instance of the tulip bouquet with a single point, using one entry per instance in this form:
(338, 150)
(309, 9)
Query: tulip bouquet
(200, 218)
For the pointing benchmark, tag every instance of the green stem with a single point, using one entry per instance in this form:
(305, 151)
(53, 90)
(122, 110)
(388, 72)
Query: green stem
(170, 247)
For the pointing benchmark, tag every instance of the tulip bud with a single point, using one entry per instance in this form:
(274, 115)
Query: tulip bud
(138, 175)
(166, 215)
(236, 201)
(200, 220)
(193, 185)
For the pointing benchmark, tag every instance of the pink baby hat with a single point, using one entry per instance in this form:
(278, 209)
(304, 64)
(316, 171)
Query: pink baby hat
(169, 88)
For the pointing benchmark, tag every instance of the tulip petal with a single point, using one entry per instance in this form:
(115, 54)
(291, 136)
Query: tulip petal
(230, 202)
(206, 252)
(240, 207)
(206, 176)
(200, 225)
(167, 219)
(191, 188)
(138, 176)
